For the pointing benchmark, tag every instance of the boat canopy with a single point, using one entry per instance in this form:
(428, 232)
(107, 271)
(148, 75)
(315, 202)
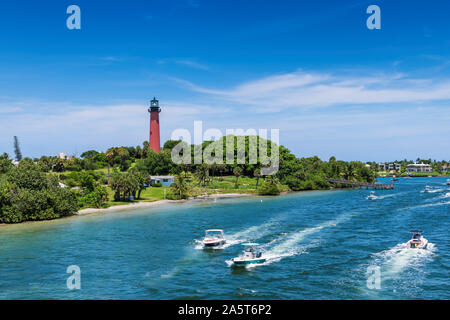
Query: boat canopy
(416, 231)
(214, 231)
(250, 244)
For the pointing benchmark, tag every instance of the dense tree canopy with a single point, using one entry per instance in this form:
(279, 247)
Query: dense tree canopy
(26, 194)
(32, 191)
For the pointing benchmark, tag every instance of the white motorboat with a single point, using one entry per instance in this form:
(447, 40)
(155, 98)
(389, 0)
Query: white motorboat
(372, 196)
(213, 238)
(427, 189)
(251, 255)
(448, 182)
(417, 241)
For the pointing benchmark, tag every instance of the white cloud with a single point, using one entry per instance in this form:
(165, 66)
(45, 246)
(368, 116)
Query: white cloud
(303, 90)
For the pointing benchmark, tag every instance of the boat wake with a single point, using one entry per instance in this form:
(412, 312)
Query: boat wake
(390, 195)
(433, 191)
(291, 244)
(252, 233)
(429, 205)
(395, 261)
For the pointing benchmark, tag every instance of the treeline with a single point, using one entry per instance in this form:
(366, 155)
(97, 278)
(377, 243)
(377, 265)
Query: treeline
(27, 194)
(437, 166)
(50, 187)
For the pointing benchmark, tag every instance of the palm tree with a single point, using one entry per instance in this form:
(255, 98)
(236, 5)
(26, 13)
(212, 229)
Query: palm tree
(257, 174)
(186, 167)
(214, 167)
(110, 155)
(180, 187)
(202, 173)
(237, 171)
(117, 185)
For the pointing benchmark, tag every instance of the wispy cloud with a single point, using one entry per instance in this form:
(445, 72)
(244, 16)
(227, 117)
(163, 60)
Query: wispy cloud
(311, 89)
(185, 62)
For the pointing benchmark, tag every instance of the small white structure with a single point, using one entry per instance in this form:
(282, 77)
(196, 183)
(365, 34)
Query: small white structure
(64, 156)
(418, 167)
(164, 180)
(389, 166)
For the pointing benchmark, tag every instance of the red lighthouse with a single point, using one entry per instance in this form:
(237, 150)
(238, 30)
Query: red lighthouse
(154, 111)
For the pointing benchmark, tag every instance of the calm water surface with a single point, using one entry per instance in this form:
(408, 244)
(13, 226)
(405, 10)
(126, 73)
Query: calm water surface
(319, 245)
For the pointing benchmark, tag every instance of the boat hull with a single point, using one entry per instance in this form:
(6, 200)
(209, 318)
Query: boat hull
(212, 244)
(238, 263)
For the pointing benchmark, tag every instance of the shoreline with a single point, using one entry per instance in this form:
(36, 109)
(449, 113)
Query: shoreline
(142, 204)
(132, 207)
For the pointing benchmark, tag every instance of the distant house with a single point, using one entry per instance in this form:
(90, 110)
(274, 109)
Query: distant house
(418, 167)
(164, 180)
(446, 168)
(394, 166)
(64, 156)
(389, 166)
(15, 162)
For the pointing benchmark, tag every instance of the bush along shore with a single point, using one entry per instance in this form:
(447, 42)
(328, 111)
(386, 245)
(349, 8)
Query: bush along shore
(50, 187)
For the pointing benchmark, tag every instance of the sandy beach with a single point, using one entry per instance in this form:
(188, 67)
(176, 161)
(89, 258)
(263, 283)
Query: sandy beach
(141, 205)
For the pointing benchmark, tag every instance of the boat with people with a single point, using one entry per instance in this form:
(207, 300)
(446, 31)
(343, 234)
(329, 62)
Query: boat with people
(372, 196)
(213, 238)
(251, 255)
(417, 241)
(448, 182)
(427, 189)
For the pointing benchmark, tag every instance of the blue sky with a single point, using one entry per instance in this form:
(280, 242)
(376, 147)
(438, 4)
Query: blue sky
(309, 68)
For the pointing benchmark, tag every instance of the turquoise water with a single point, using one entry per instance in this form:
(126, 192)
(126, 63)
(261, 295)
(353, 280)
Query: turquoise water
(319, 246)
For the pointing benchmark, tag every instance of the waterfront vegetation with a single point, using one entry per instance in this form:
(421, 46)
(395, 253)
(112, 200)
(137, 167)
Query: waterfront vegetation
(51, 187)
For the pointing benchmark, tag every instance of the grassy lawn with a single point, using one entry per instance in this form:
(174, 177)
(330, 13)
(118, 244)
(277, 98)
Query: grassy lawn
(147, 195)
(224, 184)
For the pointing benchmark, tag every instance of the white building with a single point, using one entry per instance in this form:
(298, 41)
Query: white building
(418, 167)
(389, 166)
(164, 180)
(64, 156)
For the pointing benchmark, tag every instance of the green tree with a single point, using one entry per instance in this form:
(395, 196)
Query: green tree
(237, 171)
(257, 175)
(5, 163)
(271, 186)
(180, 188)
(28, 194)
(202, 173)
